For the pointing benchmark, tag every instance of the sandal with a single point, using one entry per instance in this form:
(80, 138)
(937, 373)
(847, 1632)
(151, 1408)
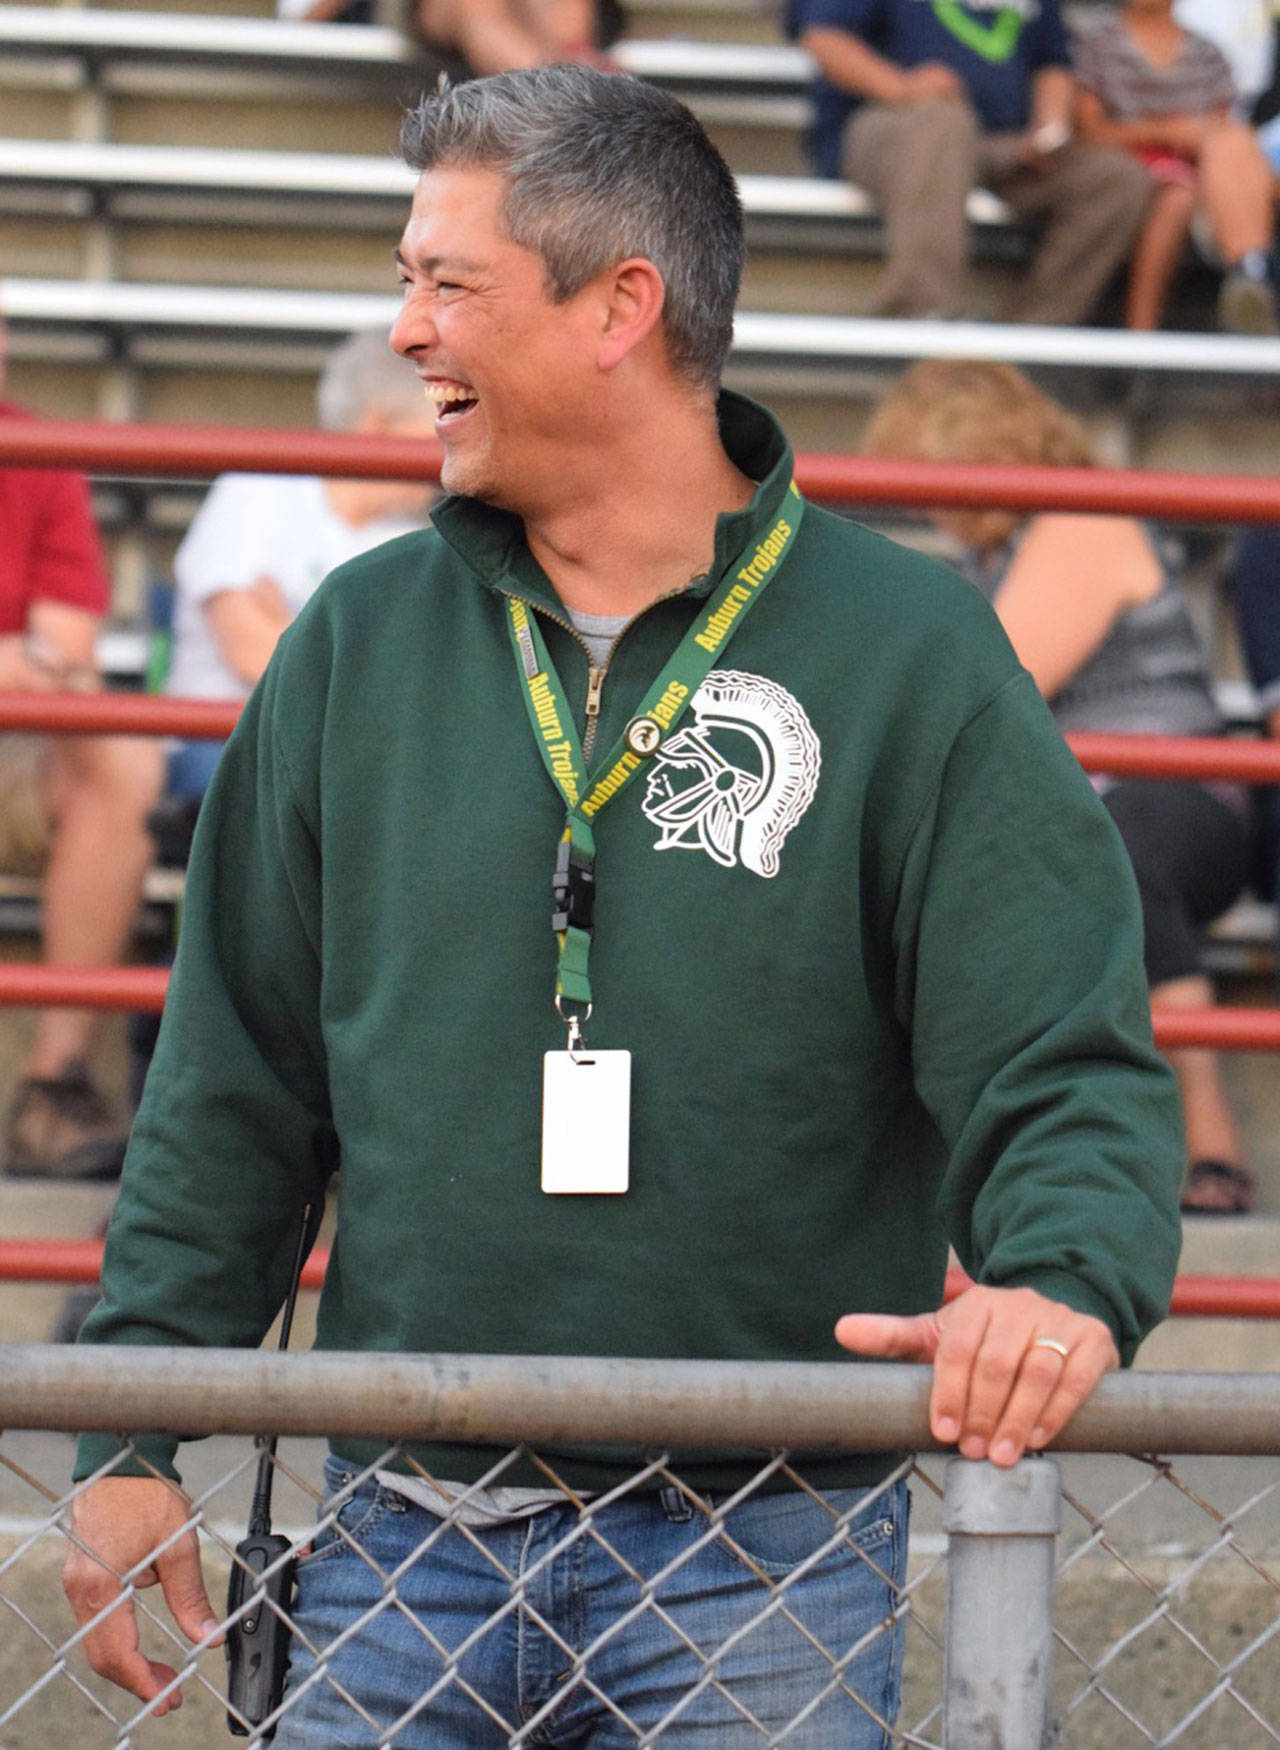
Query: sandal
(1217, 1188)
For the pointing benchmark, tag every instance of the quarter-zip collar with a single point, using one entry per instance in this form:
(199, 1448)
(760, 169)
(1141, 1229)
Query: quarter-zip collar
(492, 542)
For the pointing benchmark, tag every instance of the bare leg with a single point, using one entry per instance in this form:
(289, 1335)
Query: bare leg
(489, 34)
(1236, 191)
(1211, 1130)
(1156, 255)
(566, 25)
(98, 791)
(501, 36)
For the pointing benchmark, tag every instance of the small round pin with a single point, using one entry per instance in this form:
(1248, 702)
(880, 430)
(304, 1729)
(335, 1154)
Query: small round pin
(643, 735)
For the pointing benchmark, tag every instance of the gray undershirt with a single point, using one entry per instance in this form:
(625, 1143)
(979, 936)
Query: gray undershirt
(599, 632)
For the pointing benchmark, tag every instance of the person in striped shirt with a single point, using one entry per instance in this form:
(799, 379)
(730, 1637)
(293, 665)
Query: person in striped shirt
(1168, 96)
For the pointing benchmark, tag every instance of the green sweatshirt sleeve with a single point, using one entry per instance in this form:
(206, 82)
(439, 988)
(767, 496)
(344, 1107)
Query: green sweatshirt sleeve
(233, 1136)
(1020, 979)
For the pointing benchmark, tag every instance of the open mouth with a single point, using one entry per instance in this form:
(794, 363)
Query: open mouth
(451, 400)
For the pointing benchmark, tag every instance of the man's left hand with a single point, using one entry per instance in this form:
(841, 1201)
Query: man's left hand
(1001, 1383)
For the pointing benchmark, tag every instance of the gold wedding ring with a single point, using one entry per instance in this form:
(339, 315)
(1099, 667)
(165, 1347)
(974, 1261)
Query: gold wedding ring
(1051, 1343)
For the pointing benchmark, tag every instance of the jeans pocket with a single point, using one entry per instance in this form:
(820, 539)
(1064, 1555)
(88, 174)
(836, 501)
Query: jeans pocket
(777, 1532)
(346, 1521)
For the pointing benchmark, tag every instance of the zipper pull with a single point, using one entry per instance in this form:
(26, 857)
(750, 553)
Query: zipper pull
(595, 683)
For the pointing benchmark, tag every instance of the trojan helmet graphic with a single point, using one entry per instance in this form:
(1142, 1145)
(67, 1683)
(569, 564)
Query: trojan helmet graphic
(737, 779)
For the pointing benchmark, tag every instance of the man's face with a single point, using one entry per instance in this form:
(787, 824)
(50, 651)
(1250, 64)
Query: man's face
(511, 372)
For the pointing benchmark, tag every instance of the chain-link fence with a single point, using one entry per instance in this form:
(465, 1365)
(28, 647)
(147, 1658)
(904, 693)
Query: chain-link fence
(658, 1610)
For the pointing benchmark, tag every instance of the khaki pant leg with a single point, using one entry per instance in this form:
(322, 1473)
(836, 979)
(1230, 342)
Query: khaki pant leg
(919, 162)
(1094, 200)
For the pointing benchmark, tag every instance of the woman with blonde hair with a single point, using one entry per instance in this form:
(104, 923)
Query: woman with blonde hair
(1095, 616)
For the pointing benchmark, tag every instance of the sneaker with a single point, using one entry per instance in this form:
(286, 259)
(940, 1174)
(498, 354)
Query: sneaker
(1247, 304)
(61, 1127)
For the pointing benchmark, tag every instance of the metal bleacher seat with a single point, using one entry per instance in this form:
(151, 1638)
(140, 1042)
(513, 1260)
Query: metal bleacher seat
(803, 231)
(110, 179)
(125, 182)
(125, 176)
(112, 43)
(128, 313)
(764, 83)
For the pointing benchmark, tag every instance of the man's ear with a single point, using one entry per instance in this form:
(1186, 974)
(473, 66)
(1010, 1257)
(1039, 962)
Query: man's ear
(632, 298)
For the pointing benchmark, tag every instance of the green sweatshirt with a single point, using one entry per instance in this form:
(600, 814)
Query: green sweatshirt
(871, 939)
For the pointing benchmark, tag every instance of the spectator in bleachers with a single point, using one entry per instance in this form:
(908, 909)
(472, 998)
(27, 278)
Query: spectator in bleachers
(1168, 96)
(74, 806)
(919, 104)
(261, 543)
(503, 36)
(490, 36)
(1253, 582)
(327, 11)
(1096, 616)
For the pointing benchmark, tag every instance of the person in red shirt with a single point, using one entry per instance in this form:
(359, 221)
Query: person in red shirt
(77, 805)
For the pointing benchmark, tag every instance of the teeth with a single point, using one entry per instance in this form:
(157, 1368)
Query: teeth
(445, 392)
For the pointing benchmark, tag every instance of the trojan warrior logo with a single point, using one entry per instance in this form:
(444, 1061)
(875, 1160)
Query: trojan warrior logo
(738, 776)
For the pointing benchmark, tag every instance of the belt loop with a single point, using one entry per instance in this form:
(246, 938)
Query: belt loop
(675, 1505)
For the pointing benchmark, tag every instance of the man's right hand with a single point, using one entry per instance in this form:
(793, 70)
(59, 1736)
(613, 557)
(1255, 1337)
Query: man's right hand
(929, 81)
(120, 1521)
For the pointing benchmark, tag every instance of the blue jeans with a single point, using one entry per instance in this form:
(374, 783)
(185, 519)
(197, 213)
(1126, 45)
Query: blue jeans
(492, 1626)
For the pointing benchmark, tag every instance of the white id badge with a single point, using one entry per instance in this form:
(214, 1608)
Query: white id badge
(586, 1121)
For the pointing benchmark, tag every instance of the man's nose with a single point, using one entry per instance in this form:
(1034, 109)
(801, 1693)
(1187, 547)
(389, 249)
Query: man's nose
(412, 329)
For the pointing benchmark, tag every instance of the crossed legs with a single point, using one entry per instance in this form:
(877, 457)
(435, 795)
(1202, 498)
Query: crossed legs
(1233, 189)
(920, 161)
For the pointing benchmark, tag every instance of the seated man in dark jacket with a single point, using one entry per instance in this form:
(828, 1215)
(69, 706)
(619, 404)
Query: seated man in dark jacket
(919, 103)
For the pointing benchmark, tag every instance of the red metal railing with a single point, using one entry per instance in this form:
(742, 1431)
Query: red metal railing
(142, 989)
(118, 714)
(78, 1262)
(135, 988)
(173, 451)
(1194, 1297)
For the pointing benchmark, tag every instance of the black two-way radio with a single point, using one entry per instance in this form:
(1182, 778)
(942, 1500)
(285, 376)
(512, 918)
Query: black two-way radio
(258, 1641)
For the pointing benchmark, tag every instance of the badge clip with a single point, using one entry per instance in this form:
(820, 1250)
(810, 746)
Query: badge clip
(573, 890)
(574, 1022)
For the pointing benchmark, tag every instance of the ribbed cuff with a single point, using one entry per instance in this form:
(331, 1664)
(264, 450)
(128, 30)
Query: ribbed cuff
(145, 1455)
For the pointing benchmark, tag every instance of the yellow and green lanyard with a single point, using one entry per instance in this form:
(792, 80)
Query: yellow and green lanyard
(585, 795)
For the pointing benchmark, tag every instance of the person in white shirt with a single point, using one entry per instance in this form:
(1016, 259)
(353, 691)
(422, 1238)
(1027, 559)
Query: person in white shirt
(260, 544)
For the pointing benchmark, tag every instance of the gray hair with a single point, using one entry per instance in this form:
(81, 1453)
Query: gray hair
(363, 373)
(600, 168)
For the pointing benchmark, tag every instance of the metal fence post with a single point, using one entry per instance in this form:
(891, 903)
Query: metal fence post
(1001, 1526)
